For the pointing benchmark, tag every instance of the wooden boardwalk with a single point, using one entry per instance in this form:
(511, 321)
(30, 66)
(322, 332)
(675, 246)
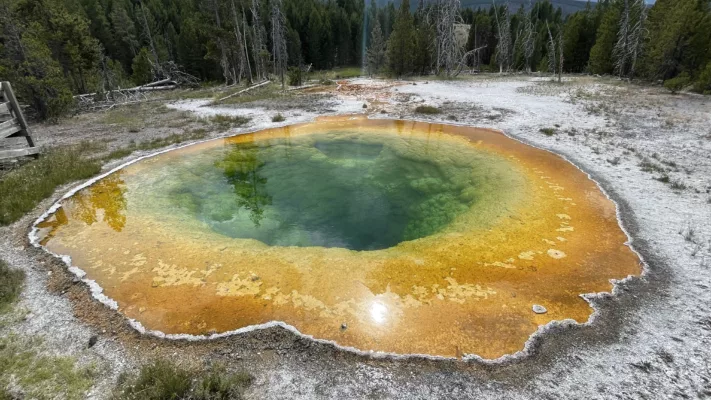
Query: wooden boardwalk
(14, 130)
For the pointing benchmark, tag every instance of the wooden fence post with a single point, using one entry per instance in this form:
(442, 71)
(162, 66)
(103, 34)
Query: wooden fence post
(16, 125)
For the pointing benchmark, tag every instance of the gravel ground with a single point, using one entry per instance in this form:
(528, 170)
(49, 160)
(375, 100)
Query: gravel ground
(650, 339)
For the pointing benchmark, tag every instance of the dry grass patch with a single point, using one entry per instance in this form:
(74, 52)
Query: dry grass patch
(24, 187)
(165, 380)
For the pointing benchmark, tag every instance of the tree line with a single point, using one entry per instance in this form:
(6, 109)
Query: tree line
(54, 49)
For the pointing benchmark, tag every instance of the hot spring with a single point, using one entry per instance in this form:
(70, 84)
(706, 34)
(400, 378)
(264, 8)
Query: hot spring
(393, 236)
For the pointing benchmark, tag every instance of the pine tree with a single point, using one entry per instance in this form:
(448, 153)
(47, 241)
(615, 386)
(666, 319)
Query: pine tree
(423, 56)
(142, 67)
(601, 61)
(123, 31)
(679, 38)
(401, 42)
(376, 51)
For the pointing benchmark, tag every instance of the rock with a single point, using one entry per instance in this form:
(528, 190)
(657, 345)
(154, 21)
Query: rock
(539, 309)
(93, 340)
(344, 326)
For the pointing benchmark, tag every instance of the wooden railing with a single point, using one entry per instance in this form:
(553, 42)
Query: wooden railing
(13, 124)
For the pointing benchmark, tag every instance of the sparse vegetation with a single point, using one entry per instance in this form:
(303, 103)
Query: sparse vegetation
(430, 110)
(547, 131)
(38, 376)
(663, 179)
(614, 161)
(689, 233)
(644, 366)
(23, 188)
(648, 166)
(12, 281)
(165, 380)
(278, 118)
(225, 122)
(678, 185)
(196, 134)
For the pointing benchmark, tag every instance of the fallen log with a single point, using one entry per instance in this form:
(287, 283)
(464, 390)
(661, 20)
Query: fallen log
(244, 90)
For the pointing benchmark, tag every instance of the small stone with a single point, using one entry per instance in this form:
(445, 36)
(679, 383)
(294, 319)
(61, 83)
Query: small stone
(365, 106)
(93, 340)
(539, 309)
(76, 280)
(344, 326)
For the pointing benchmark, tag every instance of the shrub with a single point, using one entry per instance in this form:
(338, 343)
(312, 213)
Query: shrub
(427, 110)
(703, 83)
(295, 76)
(12, 280)
(142, 68)
(547, 131)
(678, 83)
(278, 118)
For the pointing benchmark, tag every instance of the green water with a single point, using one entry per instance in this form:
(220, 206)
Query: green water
(343, 189)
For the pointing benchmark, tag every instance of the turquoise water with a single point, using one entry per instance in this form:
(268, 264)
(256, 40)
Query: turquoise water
(350, 190)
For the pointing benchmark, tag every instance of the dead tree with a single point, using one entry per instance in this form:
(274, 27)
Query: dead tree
(630, 37)
(227, 69)
(560, 56)
(258, 42)
(279, 51)
(555, 49)
(449, 52)
(527, 39)
(240, 48)
(503, 24)
(246, 51)
(155, 63)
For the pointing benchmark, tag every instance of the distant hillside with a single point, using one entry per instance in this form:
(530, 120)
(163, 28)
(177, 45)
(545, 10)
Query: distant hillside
(568, 6)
